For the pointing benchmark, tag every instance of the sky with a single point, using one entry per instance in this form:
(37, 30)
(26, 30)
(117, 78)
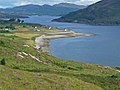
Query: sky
(12, 3)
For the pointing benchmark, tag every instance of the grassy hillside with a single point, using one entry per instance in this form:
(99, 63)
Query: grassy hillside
(104, 12)
(27, 68)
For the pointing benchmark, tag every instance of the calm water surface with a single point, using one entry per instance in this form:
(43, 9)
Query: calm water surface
(104, 48)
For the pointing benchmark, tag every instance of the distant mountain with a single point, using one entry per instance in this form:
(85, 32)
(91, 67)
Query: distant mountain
(105, 12)
(55, 10)
(69, 5)
(6, 15)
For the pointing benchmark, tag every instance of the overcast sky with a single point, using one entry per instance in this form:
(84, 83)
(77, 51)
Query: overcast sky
(11, 3)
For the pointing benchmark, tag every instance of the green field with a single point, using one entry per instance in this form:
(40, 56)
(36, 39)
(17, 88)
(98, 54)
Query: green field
(27, 68)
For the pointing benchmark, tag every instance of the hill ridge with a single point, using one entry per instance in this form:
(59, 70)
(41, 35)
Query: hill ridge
(105, 12)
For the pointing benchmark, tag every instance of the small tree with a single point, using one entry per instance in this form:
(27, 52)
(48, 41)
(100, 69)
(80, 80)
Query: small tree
(3, 62)
(22, 21)
(2, 43)
(18, 20)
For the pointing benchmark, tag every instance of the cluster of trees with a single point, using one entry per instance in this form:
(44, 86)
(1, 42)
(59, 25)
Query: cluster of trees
(10, 27)
(16, 20)
(4, 31)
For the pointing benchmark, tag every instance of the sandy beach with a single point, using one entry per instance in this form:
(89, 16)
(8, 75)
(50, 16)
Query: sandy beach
(42, 42)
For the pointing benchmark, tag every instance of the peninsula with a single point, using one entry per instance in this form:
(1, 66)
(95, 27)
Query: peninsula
(24, 64)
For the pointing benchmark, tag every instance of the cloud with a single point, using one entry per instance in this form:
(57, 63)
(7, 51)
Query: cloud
(85, 2)
(11, 3)
(19, 3)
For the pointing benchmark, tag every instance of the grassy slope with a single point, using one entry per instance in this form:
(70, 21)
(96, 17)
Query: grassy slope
(50, 74)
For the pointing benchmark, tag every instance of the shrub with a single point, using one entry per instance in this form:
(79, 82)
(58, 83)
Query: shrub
(3, 62)
(4, 31)
(117, 68)
(2, 43)
(71, 68)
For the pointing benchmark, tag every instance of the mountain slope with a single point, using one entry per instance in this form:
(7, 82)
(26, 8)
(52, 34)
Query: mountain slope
(69, 5)
(6, 15)
(105, 12)
(55, 10)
